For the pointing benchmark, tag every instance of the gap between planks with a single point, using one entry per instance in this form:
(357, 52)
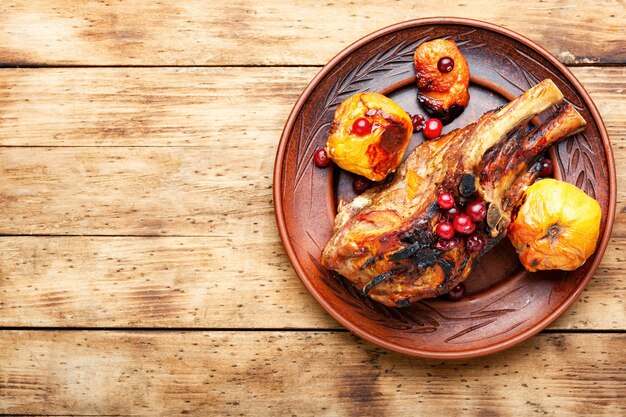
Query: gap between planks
(251, 329)
(4, 65)
(67, 415)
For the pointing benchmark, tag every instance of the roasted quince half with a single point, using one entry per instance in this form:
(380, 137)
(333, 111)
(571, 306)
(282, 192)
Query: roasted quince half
(369, 135)
(442, 79)
(557, 226)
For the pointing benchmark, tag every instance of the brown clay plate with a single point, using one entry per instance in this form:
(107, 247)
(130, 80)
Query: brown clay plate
(505, 304)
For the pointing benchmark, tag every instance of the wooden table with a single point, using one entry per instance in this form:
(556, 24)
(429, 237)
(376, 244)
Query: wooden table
(141, 270)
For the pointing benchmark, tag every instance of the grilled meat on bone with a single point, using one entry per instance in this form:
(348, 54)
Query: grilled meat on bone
(383, 240)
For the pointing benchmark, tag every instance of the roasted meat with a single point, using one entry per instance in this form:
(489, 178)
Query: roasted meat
(383, 240)
(442, 79)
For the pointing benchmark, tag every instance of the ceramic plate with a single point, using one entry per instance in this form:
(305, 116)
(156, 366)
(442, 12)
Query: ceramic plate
(505, 304)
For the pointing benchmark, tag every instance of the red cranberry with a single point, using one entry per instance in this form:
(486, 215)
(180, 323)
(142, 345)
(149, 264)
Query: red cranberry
(546, 168)
(321, 158)
(418, 122)
(475, 242)
(476, 210)
(463, 224)
(361, 126)
(432, 128)
(456, 293)
(452, 213)
(446, 245)
(445, 230)
(360, 184)
(445, 200)
(445, 64)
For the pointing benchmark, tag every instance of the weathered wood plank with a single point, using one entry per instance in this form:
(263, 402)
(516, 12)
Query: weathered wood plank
(220, 191)
(213, 282)
(212, 107)
(295, 373)
(197, 282)
(274, 32)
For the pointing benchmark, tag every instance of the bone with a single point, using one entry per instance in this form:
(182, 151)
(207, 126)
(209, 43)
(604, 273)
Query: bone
(493, 129)
(504, 178)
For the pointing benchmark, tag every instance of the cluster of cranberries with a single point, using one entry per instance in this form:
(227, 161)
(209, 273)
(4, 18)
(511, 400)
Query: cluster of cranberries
(458, 223)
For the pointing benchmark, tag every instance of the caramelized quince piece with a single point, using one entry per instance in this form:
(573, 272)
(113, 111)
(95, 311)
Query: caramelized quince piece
(442, 79)
(369, 135)
(557, 226)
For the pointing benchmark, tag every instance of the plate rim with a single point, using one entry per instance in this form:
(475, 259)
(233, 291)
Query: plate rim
(337, 314)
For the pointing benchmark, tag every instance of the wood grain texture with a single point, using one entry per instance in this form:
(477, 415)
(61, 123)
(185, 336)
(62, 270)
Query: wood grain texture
(137, 191)
(220, 108)
(274, 32)
(212, 282)
(197, 282)
(301, 373)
